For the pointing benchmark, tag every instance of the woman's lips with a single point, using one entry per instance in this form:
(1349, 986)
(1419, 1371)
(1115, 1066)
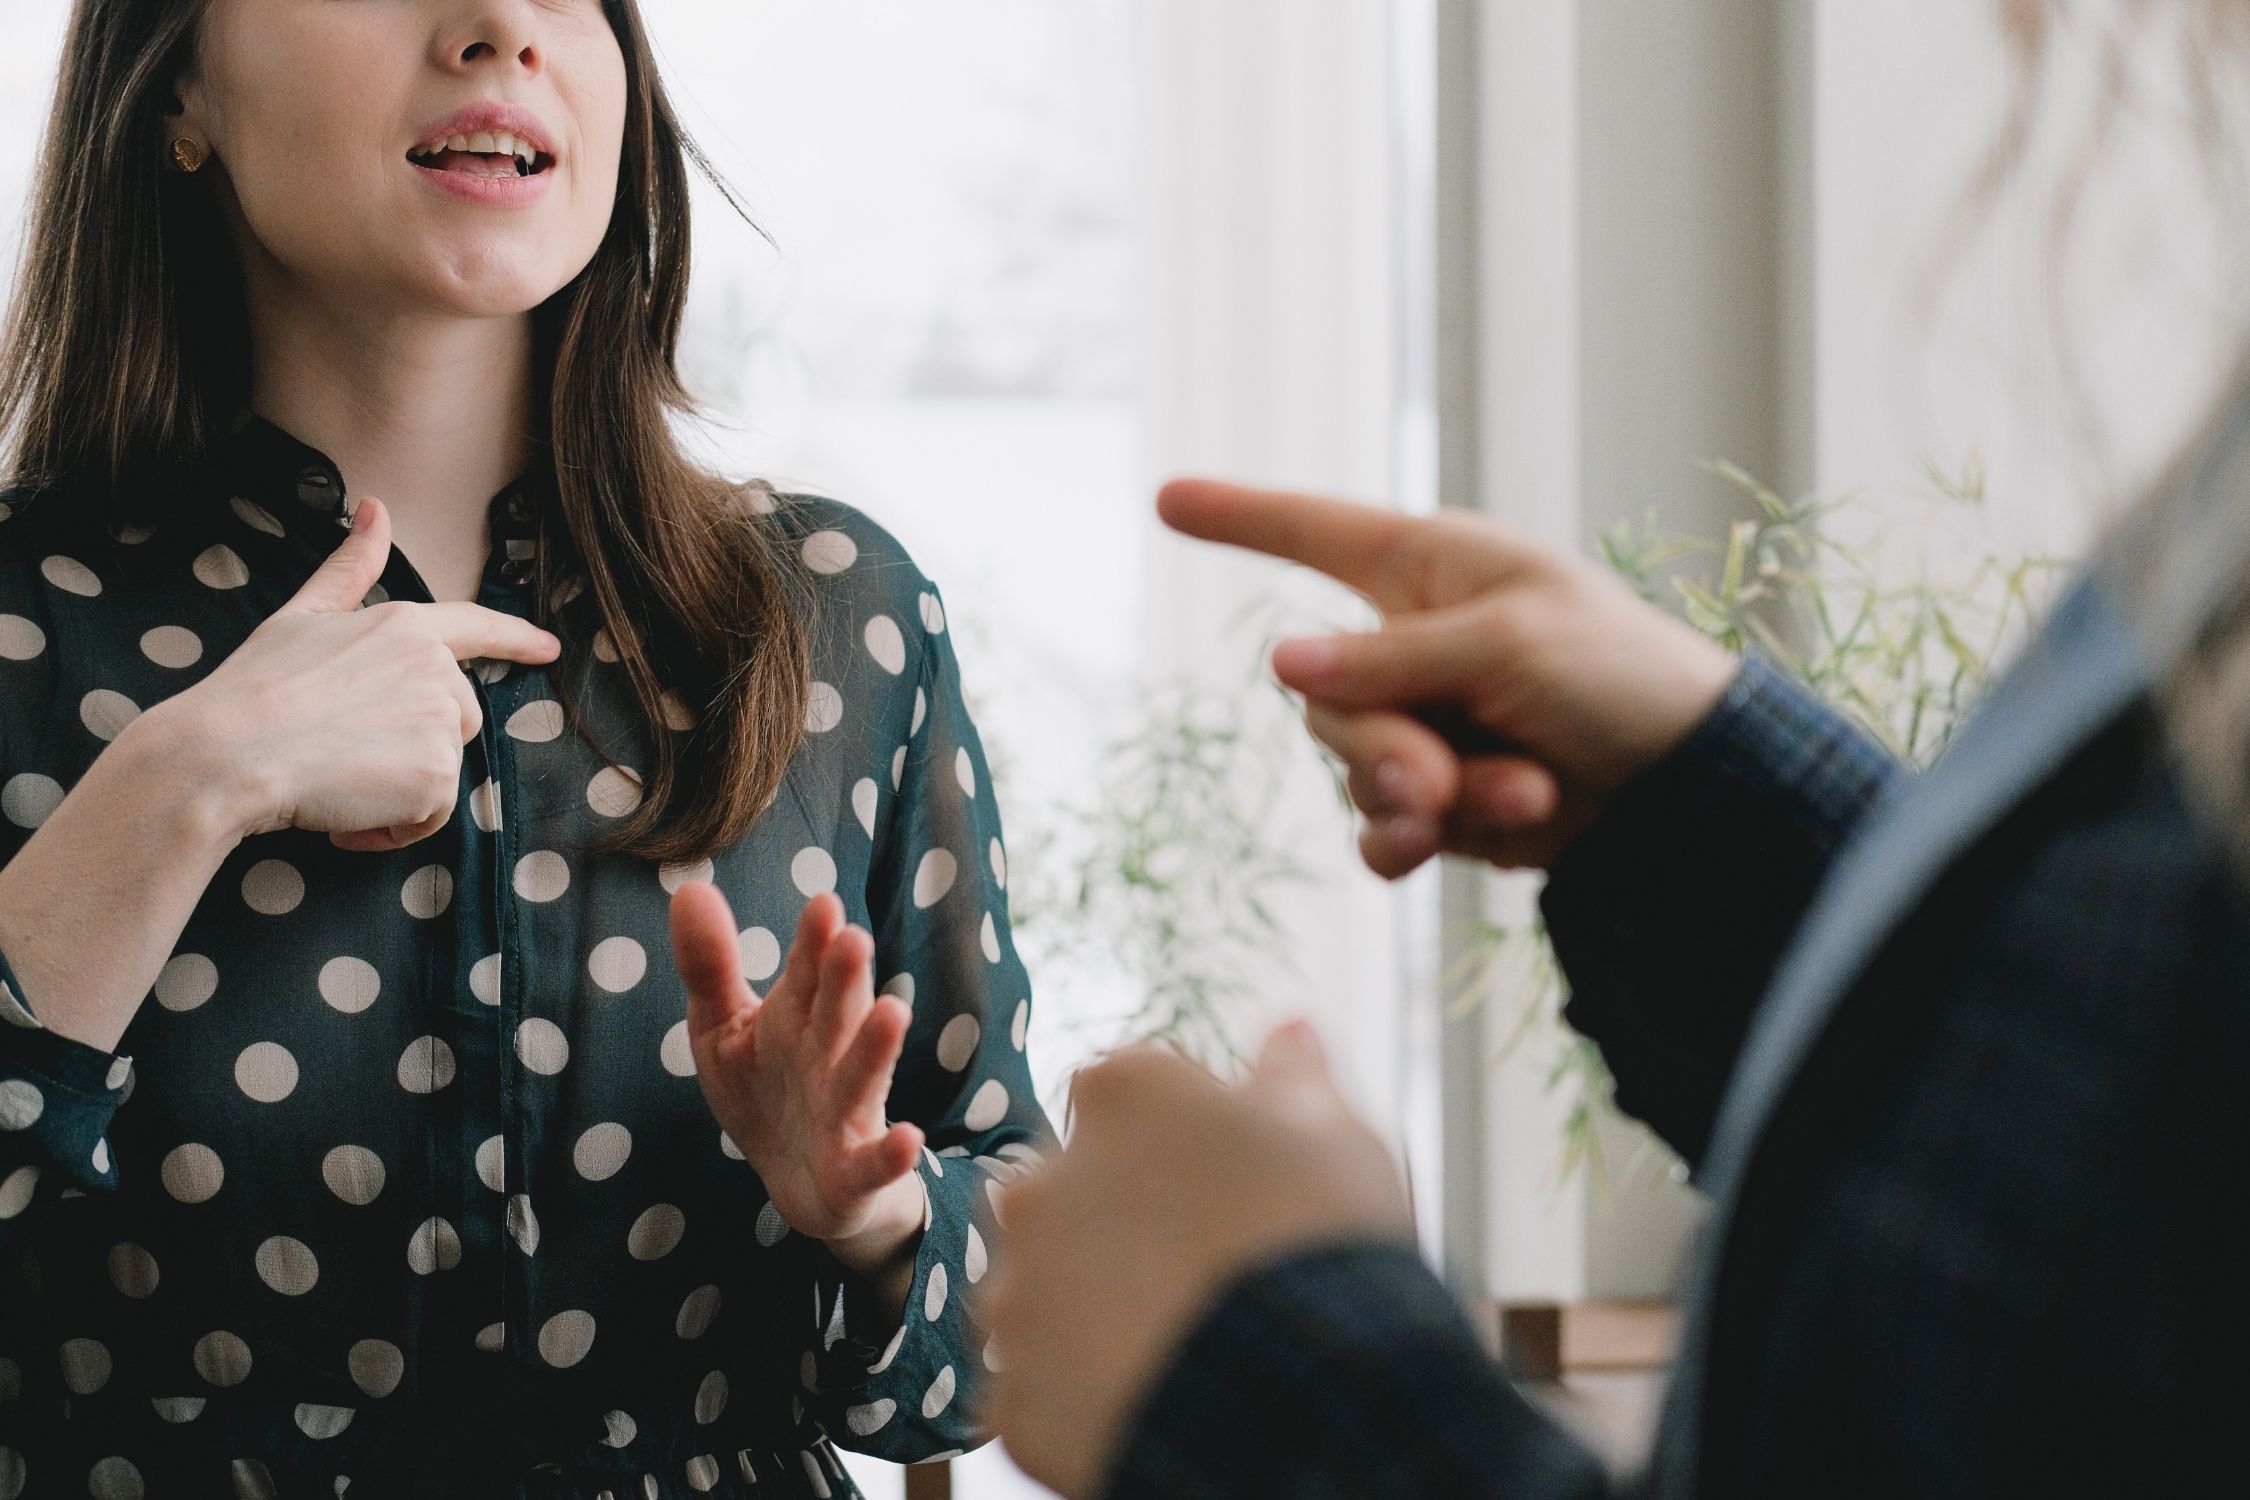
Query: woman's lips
(480, 179)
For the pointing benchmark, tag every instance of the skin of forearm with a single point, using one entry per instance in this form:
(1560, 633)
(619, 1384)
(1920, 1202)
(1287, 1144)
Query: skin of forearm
(93, 903)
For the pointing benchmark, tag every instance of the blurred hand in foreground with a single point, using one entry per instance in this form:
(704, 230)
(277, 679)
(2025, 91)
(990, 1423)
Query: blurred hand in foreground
(1173, 1186)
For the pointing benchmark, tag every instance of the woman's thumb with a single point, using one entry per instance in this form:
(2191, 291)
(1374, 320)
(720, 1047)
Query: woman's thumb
(341, 582)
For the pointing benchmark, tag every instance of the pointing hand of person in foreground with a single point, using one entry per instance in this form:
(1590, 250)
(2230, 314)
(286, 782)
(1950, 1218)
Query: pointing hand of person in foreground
(798, 1080)
(1511, 689)
(1173, 1186)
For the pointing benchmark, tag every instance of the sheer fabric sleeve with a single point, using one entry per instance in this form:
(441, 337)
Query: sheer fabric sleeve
(57, 1096)
(938, 911)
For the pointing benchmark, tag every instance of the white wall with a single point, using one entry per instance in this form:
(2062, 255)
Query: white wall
(1732, 230)
(1910, 94)
(1268, 323)
(1632, 306)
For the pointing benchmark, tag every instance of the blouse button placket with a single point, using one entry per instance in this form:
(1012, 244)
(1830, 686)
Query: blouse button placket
(319, 488)
(490, 925)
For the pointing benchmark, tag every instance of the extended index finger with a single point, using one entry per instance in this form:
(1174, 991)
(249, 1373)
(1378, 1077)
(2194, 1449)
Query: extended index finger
(472, 630)
(1401, 562)
(1359, 545)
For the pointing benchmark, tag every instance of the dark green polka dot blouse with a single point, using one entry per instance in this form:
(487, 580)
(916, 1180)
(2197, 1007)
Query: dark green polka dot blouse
(401, 1180)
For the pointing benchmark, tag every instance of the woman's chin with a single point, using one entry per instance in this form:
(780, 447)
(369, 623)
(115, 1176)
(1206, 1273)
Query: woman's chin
(489, 286)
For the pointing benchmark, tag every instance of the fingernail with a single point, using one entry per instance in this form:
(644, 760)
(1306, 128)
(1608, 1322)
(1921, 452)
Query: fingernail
(1308, 656)
(359, 517)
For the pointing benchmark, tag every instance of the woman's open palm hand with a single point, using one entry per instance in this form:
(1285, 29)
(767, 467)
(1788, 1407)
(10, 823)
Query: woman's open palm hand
(798, 1080)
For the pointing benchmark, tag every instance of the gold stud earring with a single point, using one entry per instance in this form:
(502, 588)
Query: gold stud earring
(186, 154)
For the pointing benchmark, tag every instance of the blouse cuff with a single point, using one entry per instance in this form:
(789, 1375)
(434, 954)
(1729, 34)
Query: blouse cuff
(902, 1377)
(57, 1097)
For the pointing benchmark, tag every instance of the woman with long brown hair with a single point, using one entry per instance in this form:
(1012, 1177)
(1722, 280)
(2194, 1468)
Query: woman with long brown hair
(356, 1135)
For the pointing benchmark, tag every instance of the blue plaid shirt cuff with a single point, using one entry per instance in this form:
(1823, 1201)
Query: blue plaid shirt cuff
(1670, 913)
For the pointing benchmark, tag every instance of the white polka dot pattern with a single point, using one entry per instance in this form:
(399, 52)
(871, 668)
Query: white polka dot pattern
(934, 876)
(350, 984)
(813, 870)
(106, 713)
(192, 1172)
(266, 1071)
(673, 876)
(21, 1103)
(222, 1358)
(957, 1044)
(115, 1478)
(600, 1153)
(824, 708)
(565, 1338)
(866, 1421)
(403, 1049)
(354, 1174)
(614, 792)
(272, 887)
(830, 551)
(617, 964)
(434, 1246)
(85, 1365)
(220, 567)
(70, 575)
(187, 980)
(886, 644)
(425, 1066)
(21, 639)
(675, 1054)
(492, 1163)
(287, 1265)
(760, 952)
(172, 646)
(696, 1313)
(542, 1046)
(132, 1270)
(376, 1366)
(536, 722)
(542, 875)
(656, 1233)
(427, 892)
(27, 799)
(522, 1224)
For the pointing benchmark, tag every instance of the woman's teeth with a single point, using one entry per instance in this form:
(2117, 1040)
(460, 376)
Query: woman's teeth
(471, 152)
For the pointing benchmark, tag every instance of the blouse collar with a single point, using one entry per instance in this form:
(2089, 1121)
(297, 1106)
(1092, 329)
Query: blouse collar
(279, 483)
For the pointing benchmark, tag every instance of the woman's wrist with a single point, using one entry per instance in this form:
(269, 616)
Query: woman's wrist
(892, 1238)
(223, 798)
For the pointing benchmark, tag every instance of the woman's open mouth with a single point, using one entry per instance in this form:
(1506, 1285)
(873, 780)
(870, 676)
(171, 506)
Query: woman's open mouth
(482, 153)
